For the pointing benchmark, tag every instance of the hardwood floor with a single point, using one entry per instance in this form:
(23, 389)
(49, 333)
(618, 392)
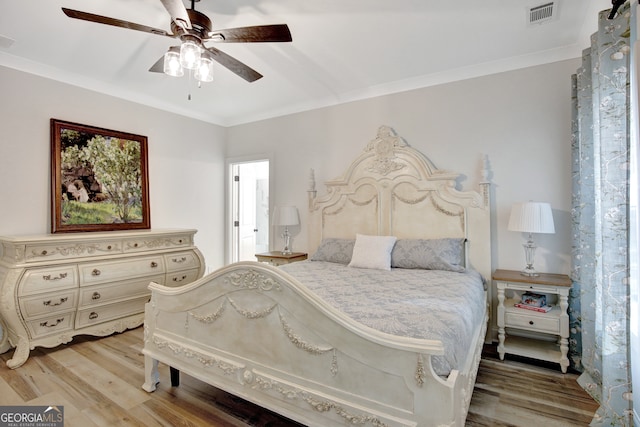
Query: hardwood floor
(98, 381)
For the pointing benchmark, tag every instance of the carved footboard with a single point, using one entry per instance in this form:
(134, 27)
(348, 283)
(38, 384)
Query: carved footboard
(254, 331)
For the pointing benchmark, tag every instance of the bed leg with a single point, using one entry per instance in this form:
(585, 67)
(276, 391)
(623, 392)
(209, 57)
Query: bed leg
(151, 375)
(175, 376)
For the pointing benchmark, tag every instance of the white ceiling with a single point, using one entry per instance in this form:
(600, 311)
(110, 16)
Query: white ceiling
(342, 50)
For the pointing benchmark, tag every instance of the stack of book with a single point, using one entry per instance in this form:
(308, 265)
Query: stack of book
(533, 301)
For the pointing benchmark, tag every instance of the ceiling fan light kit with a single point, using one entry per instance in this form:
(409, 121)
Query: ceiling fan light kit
(194, 28)
(172, 64)
(189, 55)
(204, 69)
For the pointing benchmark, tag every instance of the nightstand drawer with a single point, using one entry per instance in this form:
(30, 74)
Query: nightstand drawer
(533, 322)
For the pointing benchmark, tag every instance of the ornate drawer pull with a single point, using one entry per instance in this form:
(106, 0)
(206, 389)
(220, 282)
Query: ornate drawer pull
(47, 325)
(96, 295)
(60, 276)
(154, 264)
(176, 279)
(93, 315)
(179, 260)
(43, 253)
(62, 301)
(95, 272)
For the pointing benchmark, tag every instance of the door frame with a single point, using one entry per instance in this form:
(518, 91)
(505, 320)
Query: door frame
(228, 215)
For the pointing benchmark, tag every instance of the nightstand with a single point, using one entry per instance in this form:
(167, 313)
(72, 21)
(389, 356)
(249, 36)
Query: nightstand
(529, 333)
(278, 258)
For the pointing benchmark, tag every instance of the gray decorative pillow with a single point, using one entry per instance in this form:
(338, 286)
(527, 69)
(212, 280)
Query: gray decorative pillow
(429, 254)
(334, 250)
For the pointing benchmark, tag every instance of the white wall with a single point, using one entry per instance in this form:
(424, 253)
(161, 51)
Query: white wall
(520, 119)
(186, 157)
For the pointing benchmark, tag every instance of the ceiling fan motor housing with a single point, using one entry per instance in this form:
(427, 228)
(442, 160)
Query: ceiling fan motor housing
(200, 26)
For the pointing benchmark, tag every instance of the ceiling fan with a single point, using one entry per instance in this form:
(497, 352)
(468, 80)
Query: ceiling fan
(194, 28)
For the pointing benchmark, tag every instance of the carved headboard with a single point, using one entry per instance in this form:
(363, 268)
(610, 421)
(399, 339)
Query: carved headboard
(393, 189)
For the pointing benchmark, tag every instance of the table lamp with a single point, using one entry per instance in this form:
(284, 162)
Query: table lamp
(284, 217)
(531, 217)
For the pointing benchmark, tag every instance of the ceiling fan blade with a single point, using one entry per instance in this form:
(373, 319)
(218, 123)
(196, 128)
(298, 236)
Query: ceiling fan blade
(259, 33)
(85, 16)
(158, 67)
(178, 13)
(244, 71)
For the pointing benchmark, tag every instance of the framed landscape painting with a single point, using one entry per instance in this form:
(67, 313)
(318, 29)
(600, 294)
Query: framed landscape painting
(99, 179)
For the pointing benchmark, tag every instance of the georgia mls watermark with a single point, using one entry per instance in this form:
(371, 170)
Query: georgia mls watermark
(31, 416)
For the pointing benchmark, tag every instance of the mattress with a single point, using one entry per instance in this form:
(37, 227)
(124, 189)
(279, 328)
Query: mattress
(424, 304)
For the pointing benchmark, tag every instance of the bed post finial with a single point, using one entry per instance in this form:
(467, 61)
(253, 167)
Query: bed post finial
(311, 191)
(485, 183)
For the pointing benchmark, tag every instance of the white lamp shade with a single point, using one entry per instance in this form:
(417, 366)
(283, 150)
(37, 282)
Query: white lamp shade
(532, 217)
(286, 215)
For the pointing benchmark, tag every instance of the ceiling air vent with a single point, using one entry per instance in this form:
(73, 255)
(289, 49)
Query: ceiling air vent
(543, 13)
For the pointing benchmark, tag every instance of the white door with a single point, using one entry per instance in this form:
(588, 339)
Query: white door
(250, 209)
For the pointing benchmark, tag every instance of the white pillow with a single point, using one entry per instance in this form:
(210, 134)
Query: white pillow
(372, 252)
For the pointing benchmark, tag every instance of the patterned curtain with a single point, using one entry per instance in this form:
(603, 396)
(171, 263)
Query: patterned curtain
(600, 220)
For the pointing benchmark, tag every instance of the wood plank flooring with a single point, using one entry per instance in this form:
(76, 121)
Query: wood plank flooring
(98, 381)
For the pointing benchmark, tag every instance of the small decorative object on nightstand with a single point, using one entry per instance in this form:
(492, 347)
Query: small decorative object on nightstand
(279, 258)
(529, 331)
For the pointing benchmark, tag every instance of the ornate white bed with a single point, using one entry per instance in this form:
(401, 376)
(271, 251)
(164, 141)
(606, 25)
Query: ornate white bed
(257, 332)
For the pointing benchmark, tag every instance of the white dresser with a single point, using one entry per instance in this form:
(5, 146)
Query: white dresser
(53, 287)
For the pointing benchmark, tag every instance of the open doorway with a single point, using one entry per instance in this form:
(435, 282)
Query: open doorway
(249, 207)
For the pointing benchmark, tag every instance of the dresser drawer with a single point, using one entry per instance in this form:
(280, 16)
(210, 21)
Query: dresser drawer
(56, 323)
(180, 278)
(47, 279)
(71, 250)
(100, 294)
(533, 322)
(44, 304)
(94, 273)
(157, 242)
(181, 261)
(95, 315)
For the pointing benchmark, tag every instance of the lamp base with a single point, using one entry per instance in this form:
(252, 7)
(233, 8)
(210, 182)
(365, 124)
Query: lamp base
(529, 254)
(287, 242)
(529, 273)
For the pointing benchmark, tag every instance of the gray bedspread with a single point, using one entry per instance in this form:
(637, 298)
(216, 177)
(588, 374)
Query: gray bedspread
(427, 304)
